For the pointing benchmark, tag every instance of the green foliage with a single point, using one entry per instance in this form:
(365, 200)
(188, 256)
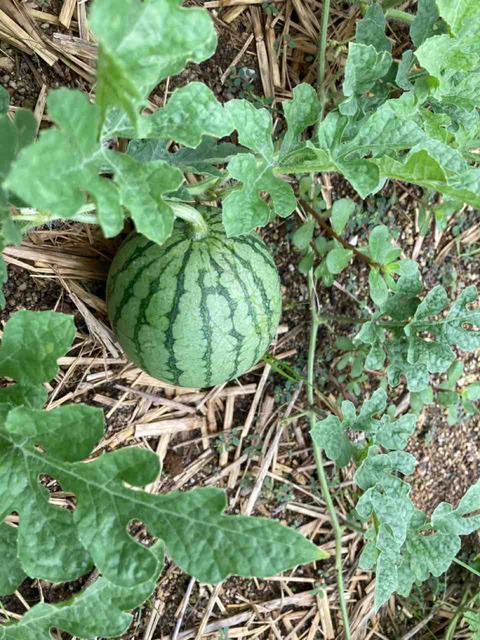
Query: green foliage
(473, 620)
(141, 190)
(11, 572)
(336, 254)
(415, 335)
(337, 259)
(143, 45)
(75, 158)
(414, 119)
(191, 113)
(100, 610)
(256, 173)
(395, 121)
(57, 544)
(457, 402)
(403, 545)
(204, 159)
(342, 210)
(32, 343)
(4, 101)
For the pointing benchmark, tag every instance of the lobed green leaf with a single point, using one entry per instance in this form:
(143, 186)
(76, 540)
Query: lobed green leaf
(143, 45)
(100, 610)
(142, 187)
(191, 113)
(301, 112)
(244, 209)
(11, 572)
(203, 159)
(32, 343)
(75, 159)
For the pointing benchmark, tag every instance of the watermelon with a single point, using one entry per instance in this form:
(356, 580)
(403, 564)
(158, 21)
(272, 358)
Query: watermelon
(195, 311)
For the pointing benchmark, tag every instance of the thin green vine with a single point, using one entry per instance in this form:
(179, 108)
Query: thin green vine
(315, 323)
(337, 529)
(322, 51)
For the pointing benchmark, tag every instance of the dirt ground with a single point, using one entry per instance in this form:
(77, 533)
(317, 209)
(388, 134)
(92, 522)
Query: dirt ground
(64, 268)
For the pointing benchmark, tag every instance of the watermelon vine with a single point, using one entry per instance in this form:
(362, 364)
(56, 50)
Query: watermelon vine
(194, 272)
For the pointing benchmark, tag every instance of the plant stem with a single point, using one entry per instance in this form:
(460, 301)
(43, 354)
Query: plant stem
(193, 217)
(40, 219)
(315, 322)
(389, 4)
(465, 604)
(328, 229)
(85, 214)
(326, 318)
(401, 16)
(319, 458)
(466, 566)
(322, 52)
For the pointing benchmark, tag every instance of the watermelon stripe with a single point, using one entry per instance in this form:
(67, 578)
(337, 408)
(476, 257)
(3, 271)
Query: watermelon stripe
(128, 292)
(266, 299)
(259, 248)
(144, 306)
(205, 314)
(232, 307)
(216, 234)
(138, 252)
(172, 316)
(129, 288)
(251, 308)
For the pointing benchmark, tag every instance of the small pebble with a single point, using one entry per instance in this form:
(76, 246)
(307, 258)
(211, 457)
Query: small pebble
(6, 64)
(12, 84)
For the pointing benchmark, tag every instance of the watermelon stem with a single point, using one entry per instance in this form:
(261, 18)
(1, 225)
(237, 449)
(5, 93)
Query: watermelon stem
(193, 217)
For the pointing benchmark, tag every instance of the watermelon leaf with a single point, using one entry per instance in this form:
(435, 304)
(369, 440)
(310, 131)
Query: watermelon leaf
(105, 505)
(191, 112)
(425, 24)
(15, 135)
(203, 159)
(473, 620)
(98, 611)
(254, 127)
(75, 160)
(24, 394)
(397, 547)
(57, 544)
(32, 342)
(365, 65)
(421, 333)
(244, 209)
(143, 45)
(11, 572)
(302, 111)
(142, 186)
(4, 101)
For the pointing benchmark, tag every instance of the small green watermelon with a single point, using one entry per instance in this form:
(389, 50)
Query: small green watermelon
(194, 312)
